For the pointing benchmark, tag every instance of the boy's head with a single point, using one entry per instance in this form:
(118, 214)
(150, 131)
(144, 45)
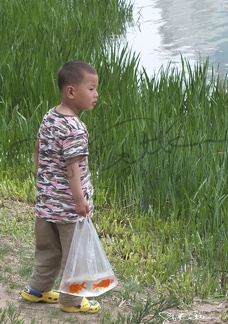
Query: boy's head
(73, 72)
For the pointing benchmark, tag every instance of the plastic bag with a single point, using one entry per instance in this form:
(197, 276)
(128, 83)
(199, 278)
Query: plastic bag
(87, 272)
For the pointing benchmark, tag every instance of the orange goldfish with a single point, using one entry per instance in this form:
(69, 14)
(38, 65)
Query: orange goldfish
(103, 284)
(75, 288)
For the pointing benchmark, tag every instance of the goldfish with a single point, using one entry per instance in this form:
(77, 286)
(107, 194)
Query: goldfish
(76, 288)
(103, 284)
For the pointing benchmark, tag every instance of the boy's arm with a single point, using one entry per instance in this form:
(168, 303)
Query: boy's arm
(73, 173)
(36, 156)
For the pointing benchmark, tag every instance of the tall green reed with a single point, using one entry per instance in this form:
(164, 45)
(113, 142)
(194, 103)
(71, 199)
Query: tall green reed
(162, 145)
(162, 135)
(158, 143)
(47, 34)
(34, 45)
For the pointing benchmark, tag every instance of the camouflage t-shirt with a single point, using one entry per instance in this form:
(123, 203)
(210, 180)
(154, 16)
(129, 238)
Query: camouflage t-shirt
(60, 138)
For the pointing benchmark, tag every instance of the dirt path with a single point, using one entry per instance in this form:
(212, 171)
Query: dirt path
(48, 313)
(214, 313)
(15, 261)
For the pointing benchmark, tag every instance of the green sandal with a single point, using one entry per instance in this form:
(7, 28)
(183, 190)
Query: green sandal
(34, 296)
(86, 306)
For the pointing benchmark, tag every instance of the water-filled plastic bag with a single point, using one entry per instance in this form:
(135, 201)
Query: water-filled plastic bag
(87, 272)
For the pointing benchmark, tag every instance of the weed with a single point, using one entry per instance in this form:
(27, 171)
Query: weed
(11, 315)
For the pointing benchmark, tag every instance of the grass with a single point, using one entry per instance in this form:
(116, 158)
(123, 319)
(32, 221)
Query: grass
(158, 146)
(147, 313)
(10, 315)
(146, 289)
(144, 253)
(16, 251)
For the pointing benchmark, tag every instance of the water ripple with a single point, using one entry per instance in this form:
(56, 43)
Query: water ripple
(194, 29)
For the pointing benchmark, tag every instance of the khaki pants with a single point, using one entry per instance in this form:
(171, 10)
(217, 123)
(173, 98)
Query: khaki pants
(53, 242)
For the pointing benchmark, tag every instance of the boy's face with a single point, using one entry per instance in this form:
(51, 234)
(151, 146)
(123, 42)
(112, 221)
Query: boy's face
(85, 94)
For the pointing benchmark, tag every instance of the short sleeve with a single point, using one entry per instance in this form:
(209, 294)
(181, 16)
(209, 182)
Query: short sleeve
(75, 143)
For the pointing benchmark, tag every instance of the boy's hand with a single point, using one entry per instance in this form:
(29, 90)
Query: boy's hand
(82, 207)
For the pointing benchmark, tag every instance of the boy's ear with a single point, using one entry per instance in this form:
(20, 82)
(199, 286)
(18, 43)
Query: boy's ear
(70, 92)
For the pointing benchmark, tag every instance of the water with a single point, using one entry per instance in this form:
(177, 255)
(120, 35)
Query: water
(195, 29)
(87, 287)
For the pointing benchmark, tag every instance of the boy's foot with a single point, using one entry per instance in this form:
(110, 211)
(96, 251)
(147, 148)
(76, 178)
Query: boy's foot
(86, 306)
(35, 296)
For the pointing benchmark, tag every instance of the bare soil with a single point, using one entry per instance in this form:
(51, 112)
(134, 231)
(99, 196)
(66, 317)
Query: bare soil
(11, 282)
(200, 312)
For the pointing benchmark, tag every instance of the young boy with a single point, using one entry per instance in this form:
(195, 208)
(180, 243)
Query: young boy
(64, 191)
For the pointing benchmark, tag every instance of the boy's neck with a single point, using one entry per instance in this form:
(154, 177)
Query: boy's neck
(65, 110)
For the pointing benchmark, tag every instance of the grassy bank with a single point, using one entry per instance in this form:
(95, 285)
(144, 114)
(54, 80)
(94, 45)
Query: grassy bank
(158, 144)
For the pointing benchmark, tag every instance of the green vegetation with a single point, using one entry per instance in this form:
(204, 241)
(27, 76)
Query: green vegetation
(10, 315)
(158, 144)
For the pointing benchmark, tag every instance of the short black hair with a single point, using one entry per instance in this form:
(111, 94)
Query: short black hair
(73, 72)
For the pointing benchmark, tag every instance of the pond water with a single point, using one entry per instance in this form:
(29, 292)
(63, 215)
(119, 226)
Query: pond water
(195, 29)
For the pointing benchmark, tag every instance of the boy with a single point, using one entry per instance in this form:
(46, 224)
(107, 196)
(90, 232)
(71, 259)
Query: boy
(64, 191)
